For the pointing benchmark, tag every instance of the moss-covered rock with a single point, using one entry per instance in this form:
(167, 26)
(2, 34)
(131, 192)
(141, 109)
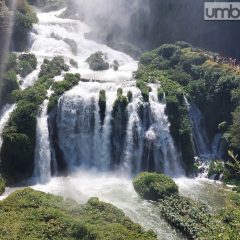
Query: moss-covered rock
(119, 126)
(70, 80)
(97, 62)
(154, 186)
(102, 103)
(29, 214)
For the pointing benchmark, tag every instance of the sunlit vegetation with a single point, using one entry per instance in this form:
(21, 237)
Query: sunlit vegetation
(29, 214)
(153, 186)
(17, 153)
(186, 71)
(192, 219)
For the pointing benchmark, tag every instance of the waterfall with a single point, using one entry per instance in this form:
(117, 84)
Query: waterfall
(165, 152)
(42, 171)
(4, 117)
(200, 139)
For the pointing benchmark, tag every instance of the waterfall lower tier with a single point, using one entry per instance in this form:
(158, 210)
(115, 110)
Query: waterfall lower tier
(42, 171)
(133, 137)
(203, 148)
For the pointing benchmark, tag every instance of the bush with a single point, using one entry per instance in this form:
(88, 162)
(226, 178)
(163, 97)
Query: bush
(26, 64)
(97, 62)
(154, 186)
(167, 50)
(53, 68)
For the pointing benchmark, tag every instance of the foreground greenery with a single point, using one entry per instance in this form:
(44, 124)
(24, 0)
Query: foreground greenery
(19, 136)
(28, 214)
(192, 219)
(185, 71)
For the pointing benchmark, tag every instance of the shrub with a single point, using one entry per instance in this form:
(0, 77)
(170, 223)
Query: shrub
(97, 62)
(26, 64)
(53, 68)
(167, 50)
(154, 186)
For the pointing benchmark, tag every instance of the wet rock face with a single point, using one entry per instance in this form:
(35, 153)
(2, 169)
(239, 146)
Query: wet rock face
(4, 27)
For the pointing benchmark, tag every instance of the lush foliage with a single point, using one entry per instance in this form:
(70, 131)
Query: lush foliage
(69, 81)
(186, 71)
(154, 186)
(27, 62)
(29, 214)
(25, 17)
(97, 62)
(53, 68)
(17, 153)
(192, 219)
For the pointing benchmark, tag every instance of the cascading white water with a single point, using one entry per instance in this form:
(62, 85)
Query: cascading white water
(165, 151)
(200, 140)
(4, 117)
(42, 171)
(203, 149)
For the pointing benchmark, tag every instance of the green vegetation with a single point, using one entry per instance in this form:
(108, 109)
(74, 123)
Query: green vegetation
(216, 168)
(97, 62)
(9, 79)
(25, 17)
(17, 153)
(119, 125)
(186, 71)
(2, 186)
(53, 68)
(154, 186)
(27, 62)
(29, 214)
(69, 81)
(102, 103)
(192, 219)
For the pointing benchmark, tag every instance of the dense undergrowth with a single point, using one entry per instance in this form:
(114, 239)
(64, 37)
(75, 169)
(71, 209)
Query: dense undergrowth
(192, 219)
(28, 214)
(184, 71)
